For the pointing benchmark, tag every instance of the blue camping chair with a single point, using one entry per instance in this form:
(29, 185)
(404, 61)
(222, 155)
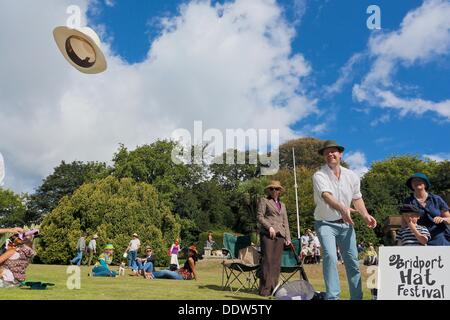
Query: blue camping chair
(236, 271)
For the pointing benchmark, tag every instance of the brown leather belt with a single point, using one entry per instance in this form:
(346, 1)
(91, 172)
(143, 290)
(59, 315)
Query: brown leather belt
(337, 221)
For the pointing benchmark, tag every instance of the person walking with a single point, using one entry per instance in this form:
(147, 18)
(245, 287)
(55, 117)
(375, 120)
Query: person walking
(92, 249)
(81, 249)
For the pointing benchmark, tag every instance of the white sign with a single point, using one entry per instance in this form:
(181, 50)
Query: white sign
(414, 273)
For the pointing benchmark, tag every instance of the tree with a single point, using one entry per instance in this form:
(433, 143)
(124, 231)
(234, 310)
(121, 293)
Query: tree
(239, 169)
(114, 209)
(249, 193)
(306, 154)
(12, 209)
(64, 180)
(153, 164)
(440, 179)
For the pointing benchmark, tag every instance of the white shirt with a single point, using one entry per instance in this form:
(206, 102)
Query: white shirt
(345, 189)
(134, 244)
(316, 241)
(92, 244)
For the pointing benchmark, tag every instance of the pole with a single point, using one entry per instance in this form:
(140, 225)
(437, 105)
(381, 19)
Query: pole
(296, 195)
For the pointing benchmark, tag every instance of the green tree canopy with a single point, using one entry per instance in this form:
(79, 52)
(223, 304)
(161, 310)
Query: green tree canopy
(153, 164)
(64, 180)
(114, 209)
(12, 209)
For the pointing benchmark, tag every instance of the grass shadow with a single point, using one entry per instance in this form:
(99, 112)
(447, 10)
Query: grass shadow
(220, 288)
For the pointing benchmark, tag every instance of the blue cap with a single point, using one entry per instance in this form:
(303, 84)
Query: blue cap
(421, 176)
(409, 208)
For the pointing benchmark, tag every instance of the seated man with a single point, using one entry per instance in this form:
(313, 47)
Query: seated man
(145, 265)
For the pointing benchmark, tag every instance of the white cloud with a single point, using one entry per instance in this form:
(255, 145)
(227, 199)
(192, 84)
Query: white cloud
(424, 36)
(383, 119)
(299, 7)
(345, 74)
(230, 70)
(357, 162)
(439, 157)
(110, 3)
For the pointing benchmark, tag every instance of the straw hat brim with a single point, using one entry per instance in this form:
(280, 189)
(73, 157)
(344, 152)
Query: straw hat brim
(61, 34)
(274, 186)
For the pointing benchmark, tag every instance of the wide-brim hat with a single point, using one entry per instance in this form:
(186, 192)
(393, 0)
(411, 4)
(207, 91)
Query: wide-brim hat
(274, 184)
(135, 235)
(420, 176)
(330, 144)
(95, 236)
(81, 47)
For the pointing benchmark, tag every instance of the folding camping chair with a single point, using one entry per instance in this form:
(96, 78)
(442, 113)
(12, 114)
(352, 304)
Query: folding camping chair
(291, 263)
(234, 269)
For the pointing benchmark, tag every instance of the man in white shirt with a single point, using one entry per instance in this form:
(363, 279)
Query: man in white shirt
(132, 250)
(335, 190)
(92, 249)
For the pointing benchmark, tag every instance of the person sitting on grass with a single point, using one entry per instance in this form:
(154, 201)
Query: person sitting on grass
(187, 272)
(412, 234)
(101, 268)
(14, 262)
(145, 265)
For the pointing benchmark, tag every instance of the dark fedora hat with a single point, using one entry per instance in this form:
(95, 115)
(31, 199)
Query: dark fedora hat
(410, 208)
(421, 176)
(330, 144)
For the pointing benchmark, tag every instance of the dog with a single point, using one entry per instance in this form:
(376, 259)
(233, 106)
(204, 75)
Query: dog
(122, 269)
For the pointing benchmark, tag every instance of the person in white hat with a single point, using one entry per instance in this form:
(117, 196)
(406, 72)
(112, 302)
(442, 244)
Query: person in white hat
(92, 248)
(274, 235)
(132, 251)
(81, 48)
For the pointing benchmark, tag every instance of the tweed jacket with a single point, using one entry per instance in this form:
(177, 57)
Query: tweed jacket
(269, 216)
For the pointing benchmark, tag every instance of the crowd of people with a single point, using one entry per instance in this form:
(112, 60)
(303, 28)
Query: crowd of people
(144, 266)
(336, 192)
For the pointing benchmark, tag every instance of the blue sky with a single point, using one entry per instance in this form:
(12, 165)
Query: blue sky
(306, 67)
(328, 33)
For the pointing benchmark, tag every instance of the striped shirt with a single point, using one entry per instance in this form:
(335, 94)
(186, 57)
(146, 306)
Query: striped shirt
(407, 237)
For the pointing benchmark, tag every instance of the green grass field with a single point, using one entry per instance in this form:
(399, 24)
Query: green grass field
(208, 287)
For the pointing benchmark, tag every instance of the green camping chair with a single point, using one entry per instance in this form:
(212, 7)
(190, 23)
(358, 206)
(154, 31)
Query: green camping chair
(291, 263)
(236, 271)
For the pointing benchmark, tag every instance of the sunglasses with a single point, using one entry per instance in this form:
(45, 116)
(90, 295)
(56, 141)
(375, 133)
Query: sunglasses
(276, 189)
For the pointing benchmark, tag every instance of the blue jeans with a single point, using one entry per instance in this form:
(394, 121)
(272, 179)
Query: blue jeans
(167, 274)
(344, 236)
(132, 255)
(147, 267)
(78, 258)
(101, 271)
